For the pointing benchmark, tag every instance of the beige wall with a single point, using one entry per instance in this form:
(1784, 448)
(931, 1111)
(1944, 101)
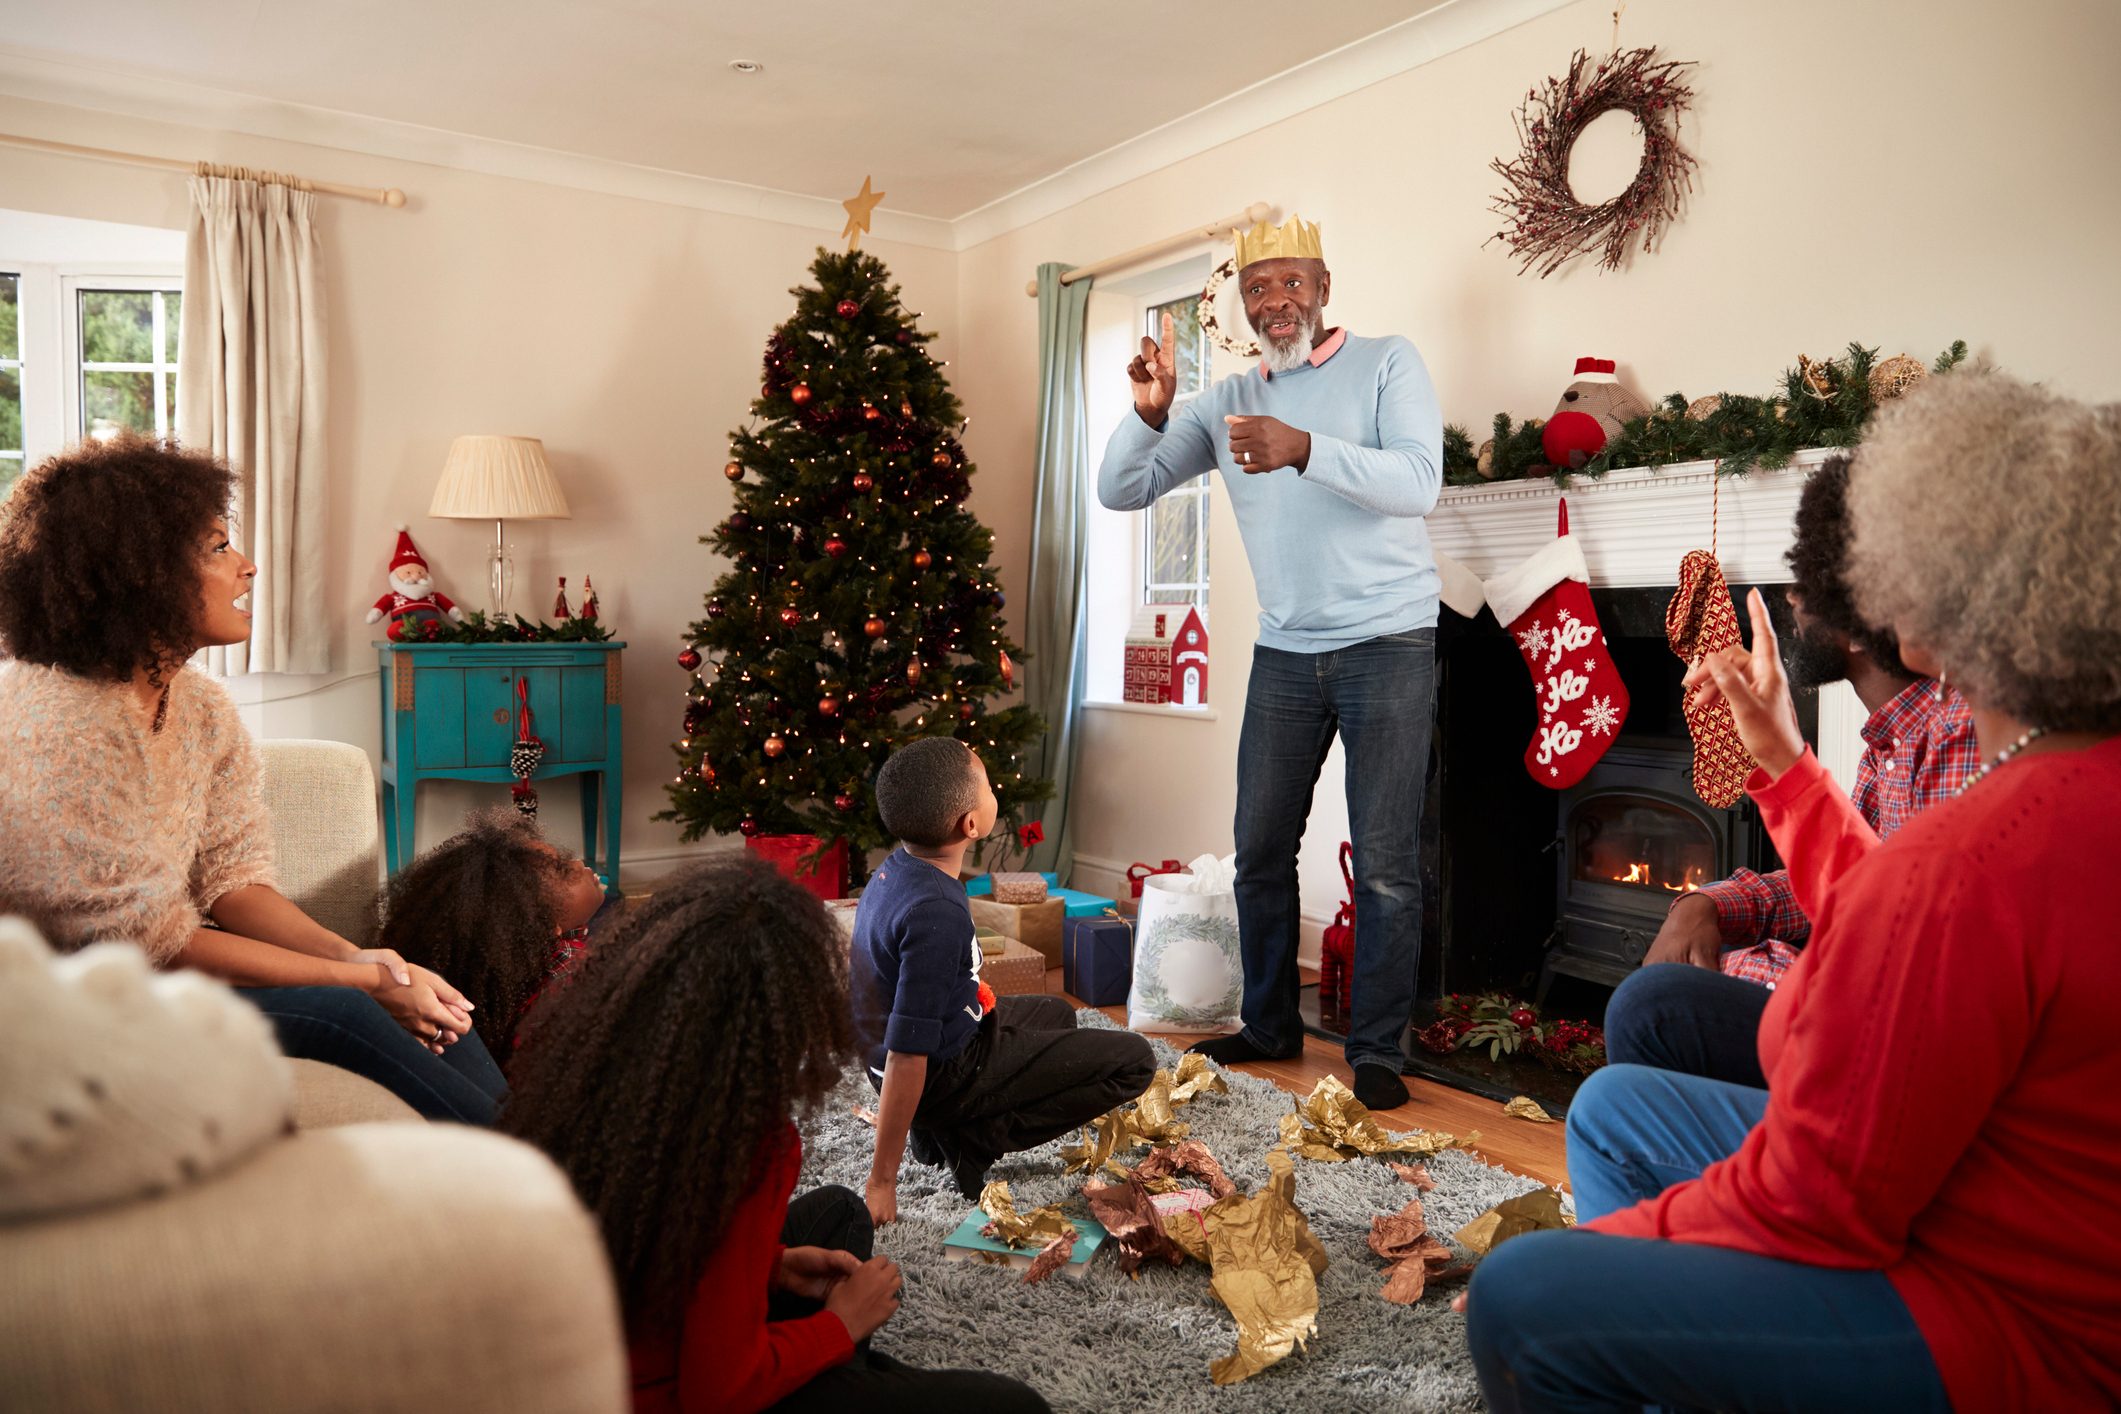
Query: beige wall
(1899, 173)
(626, 334)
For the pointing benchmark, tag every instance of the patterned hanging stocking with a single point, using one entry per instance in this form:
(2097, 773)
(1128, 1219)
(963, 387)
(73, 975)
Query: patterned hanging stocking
(1699, 620)
(524, 756)
(1545, 603)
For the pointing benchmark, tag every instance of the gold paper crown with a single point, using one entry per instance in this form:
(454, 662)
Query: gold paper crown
(1294, 239)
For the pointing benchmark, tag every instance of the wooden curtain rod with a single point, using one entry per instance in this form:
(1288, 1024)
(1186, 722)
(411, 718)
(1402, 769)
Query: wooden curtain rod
(385, 196)
(1252, 215)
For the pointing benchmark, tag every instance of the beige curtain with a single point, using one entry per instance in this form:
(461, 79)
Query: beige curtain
(250, 389)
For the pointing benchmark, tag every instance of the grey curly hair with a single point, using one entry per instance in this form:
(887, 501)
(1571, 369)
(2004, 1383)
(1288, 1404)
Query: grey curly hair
(1987, 522)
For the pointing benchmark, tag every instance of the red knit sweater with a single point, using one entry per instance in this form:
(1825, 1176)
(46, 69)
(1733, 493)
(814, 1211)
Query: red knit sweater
(730, 1359)
(1945, 1077)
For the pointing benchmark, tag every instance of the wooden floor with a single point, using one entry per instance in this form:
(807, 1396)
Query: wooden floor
(1521, 1146)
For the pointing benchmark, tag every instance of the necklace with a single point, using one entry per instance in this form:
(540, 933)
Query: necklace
(2032, 734)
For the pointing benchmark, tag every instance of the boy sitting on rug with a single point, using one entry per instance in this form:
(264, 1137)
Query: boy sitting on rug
(966, 1078)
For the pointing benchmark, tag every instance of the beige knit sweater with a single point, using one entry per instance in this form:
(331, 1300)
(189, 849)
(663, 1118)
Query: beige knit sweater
(115, 831)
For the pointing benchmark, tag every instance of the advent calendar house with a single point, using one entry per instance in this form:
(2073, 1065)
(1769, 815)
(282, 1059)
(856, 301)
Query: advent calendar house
(1167, 656)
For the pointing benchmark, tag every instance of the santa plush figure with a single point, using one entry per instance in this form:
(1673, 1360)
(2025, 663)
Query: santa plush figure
(1589, 415)
(412, 595)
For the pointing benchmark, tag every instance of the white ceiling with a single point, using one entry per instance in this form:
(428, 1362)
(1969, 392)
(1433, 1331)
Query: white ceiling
(952, 104)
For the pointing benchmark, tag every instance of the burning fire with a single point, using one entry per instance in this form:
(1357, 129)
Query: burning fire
(1639, 873)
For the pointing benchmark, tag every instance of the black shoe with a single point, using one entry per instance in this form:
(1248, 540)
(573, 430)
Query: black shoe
(970, 1171)
(1379, 1087)
(1228, 1050)
(924, 1148)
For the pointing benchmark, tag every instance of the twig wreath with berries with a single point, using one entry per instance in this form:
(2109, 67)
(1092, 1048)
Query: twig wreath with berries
(1211, 320)
(1545, 225)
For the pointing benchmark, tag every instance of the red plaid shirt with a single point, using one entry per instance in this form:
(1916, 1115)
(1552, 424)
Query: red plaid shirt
(1918, 750)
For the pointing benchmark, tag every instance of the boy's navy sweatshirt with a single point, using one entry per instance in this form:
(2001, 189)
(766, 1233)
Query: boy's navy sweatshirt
(914, 971)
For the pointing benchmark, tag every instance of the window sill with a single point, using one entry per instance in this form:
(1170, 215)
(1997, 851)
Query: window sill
(1153, 709)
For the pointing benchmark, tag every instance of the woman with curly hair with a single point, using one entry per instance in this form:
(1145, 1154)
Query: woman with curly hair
(665, 1078)
(133, 794)
(1915, 1215)
(498, 909)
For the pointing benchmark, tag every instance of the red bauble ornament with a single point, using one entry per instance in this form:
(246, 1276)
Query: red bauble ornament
(706, 774)
(828, 706)
(874, 627)
(791, 616)
(922, 559)
(799, 394)
(964, 711)
(1523, 1017)
(913, 671)
(695, 718)
(847, 309)
(835, 547)
(689, 659)
(1008, 671)
(747, 827)
(715, 609)
(872, 413)
(863, 481)
(941, 461)
(734, 471)
(843, 802)
(774, 746)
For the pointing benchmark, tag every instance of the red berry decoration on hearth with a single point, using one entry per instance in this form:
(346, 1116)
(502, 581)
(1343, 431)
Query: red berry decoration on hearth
(799, 394)
(1545, 603)
(835, 547)
(847, 309)
(689, 659)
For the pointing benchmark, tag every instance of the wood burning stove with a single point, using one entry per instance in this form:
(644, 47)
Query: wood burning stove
(1632, 838)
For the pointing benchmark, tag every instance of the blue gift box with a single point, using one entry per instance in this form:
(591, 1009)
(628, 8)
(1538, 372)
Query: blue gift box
(1097, 960)
(1077, 903)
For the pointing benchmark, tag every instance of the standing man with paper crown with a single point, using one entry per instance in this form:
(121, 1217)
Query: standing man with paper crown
(1332, 454)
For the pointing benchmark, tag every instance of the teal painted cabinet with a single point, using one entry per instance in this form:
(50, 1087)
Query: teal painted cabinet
(449, 714)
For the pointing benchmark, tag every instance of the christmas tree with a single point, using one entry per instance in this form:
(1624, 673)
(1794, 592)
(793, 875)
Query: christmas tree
(859, 611)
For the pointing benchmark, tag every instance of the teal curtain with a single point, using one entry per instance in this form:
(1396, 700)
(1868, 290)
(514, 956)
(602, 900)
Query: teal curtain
(1054, 629)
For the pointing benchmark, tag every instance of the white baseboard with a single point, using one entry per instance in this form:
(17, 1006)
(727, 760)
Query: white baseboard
(1109, 877)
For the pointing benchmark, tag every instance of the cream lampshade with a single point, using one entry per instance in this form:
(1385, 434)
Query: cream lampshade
(498, 479)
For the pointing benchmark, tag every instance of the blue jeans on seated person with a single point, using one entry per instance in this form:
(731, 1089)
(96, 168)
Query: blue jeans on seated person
(347, 1028)
(1675, 1016)
(1380, 696)
(1582, 1321)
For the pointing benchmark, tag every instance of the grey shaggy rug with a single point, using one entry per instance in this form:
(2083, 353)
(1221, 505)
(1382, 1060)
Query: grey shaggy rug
(1109, 1343)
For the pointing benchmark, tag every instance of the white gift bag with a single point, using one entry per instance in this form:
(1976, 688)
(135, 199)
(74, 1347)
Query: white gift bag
(1188, 973)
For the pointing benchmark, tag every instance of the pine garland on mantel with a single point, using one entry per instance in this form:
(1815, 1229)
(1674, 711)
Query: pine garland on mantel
(1821, 404)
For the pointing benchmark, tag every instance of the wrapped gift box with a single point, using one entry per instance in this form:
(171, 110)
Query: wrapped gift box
(1016, 969)
(842, 911)
(1036, 925)
(990, 942)
(981, 885)
(1097, 960)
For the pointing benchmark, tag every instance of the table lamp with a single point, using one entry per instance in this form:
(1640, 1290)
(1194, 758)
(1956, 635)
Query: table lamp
(498, 479)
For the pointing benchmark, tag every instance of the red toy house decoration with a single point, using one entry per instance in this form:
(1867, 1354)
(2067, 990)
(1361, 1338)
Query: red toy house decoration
(1167, 656)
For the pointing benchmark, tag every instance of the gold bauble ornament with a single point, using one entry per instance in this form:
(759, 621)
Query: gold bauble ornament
(1893, 376)
(734, 471)
(1702, 409)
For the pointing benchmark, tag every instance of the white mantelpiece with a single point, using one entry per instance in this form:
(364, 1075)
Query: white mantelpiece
(1634, 526)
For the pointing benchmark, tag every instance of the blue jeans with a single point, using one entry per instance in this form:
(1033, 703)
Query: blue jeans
(1582, 1321)
(1675, 1016)
(1380, 696)
(348, 1028)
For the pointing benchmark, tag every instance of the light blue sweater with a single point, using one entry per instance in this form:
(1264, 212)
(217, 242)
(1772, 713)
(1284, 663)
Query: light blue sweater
(1339, 552)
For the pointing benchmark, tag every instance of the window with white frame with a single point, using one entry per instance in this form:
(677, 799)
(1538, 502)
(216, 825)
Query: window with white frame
(1174, 531)
(83, 354)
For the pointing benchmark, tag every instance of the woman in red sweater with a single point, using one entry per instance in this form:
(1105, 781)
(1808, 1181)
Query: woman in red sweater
(665, 1079)
(1918, 1212)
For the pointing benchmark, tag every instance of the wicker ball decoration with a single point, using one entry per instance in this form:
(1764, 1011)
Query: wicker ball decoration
(1544, 225)
(1890, 377)
(1484, 459)
(1702, 409)
(1237, 341)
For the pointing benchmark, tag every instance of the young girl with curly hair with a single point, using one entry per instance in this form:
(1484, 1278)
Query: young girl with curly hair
(666, 1078)
(500, 910)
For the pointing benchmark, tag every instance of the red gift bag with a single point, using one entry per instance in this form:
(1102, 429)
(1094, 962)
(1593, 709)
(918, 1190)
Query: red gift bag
(1138, 872)
(1336, 948)
(826, 877)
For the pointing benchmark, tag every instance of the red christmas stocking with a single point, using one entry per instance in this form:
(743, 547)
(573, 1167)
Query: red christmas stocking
(1546, 603)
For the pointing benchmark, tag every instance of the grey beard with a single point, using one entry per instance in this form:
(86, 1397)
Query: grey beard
(1281, 358)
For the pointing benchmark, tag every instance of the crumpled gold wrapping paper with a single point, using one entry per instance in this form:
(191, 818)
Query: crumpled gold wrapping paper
(1528, 1212)
(1036, 1228)
(1331, 1126)
(1152, 1119)
(1266, 1267)
(1417, 1258)
(1525, 1107)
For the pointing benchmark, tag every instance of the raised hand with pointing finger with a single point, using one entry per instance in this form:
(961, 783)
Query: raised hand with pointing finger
(1154, 374)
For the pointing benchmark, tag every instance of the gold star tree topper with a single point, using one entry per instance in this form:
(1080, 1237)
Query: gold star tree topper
(859, 207)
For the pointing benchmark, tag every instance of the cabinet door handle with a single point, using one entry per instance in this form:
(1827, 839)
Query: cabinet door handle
(500, 716)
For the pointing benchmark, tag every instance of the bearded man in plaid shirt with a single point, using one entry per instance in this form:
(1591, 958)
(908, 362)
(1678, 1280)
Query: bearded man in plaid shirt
(1696, 1004)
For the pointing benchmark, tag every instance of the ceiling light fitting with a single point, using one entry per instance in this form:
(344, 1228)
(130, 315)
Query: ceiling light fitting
(746, 66)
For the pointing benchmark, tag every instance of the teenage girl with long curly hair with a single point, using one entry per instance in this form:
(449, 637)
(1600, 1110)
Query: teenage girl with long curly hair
(666, 1079)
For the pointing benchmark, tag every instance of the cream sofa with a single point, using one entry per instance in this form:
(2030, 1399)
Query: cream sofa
(360, 1267)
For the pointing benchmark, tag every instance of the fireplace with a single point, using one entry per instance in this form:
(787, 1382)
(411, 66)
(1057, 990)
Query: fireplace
(1633, 837)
